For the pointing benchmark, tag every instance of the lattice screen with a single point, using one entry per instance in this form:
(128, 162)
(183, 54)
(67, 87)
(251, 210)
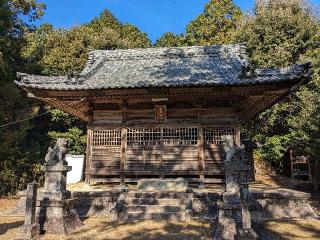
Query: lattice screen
(159, 136)
(144, 136)
(214, 135)
(110, 137)
(180, 136)
(165, 136)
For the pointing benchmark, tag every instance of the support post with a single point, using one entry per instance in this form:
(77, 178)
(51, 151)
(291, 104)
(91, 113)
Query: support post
(88, 155)
(89, 147)
(237, 137)
(161, 156)
(123, 155)
(201, 153)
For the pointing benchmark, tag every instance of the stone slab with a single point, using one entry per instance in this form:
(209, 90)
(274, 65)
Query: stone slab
(178, 184)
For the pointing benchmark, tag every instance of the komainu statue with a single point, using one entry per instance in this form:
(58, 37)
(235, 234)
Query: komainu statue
(229, 147)
(57, 154)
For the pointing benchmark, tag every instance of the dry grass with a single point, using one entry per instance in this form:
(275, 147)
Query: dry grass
(9, 226)
(294, 230)
(8, 203)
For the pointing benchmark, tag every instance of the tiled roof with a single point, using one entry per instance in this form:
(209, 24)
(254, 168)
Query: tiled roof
(166, 67)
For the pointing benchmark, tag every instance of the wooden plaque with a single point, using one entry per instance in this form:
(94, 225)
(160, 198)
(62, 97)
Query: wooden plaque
(160, 113)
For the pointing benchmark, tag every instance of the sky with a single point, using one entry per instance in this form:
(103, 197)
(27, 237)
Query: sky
(153, 17)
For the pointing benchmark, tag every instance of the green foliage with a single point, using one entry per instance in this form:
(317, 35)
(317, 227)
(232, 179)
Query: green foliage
(19, 147)
(274, 149)
(76, 137)
(216, 25)
(170, 40)
(58, 52)
(282, 33)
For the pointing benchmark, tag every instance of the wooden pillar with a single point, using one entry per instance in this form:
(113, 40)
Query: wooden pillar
(123, 155)
(161, 156)
(237, 140)
(123, 106)
(201, 153)
(87, 167)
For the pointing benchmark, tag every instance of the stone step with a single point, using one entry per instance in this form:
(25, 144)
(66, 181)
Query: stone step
(178, 216)
(154, 201)
(157, 195)
(154, 208)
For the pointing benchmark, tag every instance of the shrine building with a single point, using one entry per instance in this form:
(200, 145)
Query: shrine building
(162, 112)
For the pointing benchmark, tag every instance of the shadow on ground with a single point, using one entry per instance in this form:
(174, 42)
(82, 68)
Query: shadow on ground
(9, 226)
(103, 228)
(288, 230)
(139, 230)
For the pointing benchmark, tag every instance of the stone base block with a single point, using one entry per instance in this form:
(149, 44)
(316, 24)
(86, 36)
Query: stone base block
(61, 218)
(188, 215)
(231, 198)
(225, 229)
(30, 231)
(115, 215)
(63, 225)
(247, 234)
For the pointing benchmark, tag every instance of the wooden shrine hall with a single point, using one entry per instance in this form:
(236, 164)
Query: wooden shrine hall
(162, 112)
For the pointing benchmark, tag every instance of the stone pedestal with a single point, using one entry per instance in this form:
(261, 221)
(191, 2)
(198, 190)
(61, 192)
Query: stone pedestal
(234, 219)
(61, 217)
(57, 209)
(118, 211)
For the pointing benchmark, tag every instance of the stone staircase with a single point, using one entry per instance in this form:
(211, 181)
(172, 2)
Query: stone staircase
(155, 205)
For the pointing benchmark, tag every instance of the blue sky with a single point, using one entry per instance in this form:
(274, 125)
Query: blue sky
(154, 17)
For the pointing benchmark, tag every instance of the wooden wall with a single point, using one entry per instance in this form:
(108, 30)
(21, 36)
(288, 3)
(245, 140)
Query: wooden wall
(186, 145)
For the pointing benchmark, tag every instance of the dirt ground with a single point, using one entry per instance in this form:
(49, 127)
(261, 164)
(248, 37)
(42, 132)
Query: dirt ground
(308, 229)
(103, 229)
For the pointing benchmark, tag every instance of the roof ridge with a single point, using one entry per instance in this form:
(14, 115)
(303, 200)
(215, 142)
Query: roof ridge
(171, 52)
